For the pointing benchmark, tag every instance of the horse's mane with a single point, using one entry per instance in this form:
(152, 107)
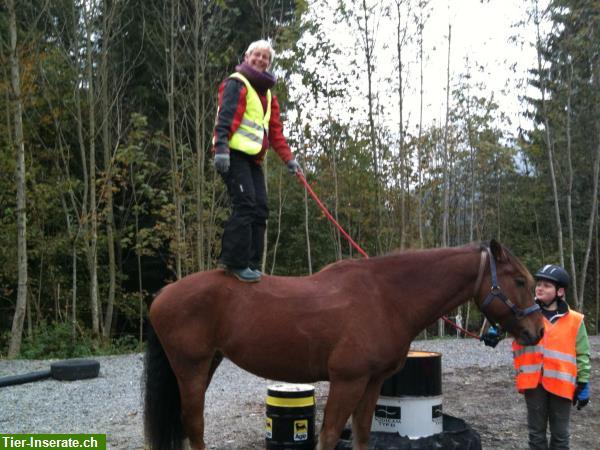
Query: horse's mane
(342, 264)
(339, 264)
(511, 258)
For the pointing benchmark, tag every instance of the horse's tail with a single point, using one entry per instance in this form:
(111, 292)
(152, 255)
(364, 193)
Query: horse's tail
(162, 405)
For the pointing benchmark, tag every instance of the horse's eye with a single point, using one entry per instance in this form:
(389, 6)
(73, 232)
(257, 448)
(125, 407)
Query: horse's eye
(520, 282)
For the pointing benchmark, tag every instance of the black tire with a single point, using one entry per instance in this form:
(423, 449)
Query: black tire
(457, 435)
(75, 369)
(24, 378)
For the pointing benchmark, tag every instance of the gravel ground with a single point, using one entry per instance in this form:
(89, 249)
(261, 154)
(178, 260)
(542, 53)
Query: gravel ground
(477, 386)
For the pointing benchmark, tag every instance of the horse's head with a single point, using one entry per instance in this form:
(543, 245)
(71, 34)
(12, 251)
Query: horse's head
(505, 294)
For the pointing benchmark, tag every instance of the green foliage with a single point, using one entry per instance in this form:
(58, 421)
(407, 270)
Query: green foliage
(567, 122)
(497, 186)
(55, 340)
(143, 171)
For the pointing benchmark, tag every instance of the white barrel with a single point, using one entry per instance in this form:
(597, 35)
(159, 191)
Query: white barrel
(413, 417)
(410, 401)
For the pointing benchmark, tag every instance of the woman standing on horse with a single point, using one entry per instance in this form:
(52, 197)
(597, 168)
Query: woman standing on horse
(247, 124)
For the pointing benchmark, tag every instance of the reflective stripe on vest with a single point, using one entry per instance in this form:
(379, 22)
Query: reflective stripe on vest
(248, 138)
(553, 362)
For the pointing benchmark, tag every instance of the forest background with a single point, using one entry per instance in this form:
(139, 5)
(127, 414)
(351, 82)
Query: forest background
(109, 193)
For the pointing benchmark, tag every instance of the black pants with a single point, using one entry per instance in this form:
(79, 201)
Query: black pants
(544, 408)
(244, 232)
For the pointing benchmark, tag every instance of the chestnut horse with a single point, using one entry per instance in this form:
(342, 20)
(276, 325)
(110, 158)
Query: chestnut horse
(351, 324)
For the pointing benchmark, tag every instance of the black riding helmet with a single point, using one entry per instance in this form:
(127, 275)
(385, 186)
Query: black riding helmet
(554, 273)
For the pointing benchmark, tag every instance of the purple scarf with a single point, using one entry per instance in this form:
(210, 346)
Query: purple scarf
(261, 81)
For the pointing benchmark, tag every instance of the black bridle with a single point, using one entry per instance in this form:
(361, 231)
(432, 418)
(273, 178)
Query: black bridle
(496, 292)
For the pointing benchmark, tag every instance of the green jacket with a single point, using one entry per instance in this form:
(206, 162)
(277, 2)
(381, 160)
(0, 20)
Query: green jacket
(582, 346)
(583, 355)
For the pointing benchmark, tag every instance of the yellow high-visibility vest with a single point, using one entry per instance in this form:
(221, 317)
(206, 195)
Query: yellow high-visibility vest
(248, 138)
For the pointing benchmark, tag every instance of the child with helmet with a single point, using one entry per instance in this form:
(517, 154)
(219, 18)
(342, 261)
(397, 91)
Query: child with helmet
(554, 373)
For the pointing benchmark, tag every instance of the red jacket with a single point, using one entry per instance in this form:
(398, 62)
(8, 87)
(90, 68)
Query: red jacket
(232, 104)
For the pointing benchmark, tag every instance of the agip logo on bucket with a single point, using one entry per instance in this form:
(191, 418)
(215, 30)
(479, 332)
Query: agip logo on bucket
(300, 430)
(290, 423)
(269, 428)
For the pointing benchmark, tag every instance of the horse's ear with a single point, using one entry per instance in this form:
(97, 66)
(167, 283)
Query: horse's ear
(497, 250)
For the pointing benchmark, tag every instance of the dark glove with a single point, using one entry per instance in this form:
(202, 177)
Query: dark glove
(293, 166)
(222, 162)
(582, 395)
(491, 338)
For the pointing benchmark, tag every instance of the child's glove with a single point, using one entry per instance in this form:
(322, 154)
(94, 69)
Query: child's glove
(222, 162)
(491, 338)
(582, 395)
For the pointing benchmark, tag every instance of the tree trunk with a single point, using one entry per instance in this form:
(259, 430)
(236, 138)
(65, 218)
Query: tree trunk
(547, 135)
(93, 217)
(595, 191)
(368, 49)
(597, 278)
(279, 215)
(138, 258)
(74, 237)
(18, 319)
(570, 186)
(309, 259)
(263, 262)
(83, 215)
(593, 214)
(108, 187)
(336, 195)
(210, 230)
(446, 170)
(74, 291)
(404, 185)
(199, 91)
(175, 175)
(472, 170)
(419, 199)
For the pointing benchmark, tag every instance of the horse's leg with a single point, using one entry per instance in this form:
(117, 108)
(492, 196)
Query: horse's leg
(363, 415)
(343, 397)
(193, 392)
(216, 361)
(193, 382)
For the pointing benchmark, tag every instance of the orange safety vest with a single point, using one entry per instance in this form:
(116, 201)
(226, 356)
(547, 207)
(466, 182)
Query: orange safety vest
(553, 361)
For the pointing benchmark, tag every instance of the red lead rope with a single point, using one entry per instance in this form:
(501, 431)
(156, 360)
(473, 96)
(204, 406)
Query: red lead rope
(467, 332)
(300, 176)
(329, 216)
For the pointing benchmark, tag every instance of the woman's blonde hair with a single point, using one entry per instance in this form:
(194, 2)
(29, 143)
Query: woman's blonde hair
(261, 44)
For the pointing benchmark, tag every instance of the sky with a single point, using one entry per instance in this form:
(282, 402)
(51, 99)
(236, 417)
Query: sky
(481, 31)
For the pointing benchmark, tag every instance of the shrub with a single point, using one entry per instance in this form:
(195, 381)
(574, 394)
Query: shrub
(55, 340)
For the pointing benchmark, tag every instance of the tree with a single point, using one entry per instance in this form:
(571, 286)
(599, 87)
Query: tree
(19, 145)
(364, 16)
(565, 76)
(420, 18)
(403, 156)
(548, 134)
